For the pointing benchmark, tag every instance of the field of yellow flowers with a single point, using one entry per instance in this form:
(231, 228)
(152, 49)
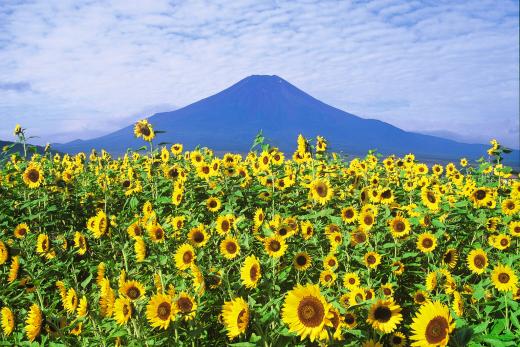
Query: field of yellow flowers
(165, 247)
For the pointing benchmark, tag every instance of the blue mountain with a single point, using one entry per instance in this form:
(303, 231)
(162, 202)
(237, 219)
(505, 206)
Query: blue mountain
(229, 121)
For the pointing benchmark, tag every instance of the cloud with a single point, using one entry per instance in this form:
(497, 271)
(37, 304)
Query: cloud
(90, 67)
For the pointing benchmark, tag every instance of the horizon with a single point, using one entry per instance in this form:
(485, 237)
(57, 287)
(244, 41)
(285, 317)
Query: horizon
(82, 70)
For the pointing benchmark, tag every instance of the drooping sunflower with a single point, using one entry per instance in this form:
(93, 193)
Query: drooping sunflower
(385, 315)
(477, 261)
(351, 280)
(122, 310)
(235, 316)
(33, 175)
(275, 246)
(7, 320)
(160, 311)
(306, 311)
(185, 257)
(372, 259)
(432, 325)
(399, 226)
(504, 278)
(426, 242)
(132, 290)
(230, 248)
(82, 307)
(349, 215)
(250, 272)
(186, 306)
(321, 191)
(302, 261)
(144, 129)
(33, 323)
(198, 236)
(21, 230)
(450, 257)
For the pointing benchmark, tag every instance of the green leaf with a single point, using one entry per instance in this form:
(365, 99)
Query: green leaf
(461, 337)
(86, 281)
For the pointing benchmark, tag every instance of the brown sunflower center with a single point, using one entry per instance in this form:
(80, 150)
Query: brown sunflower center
(436, 330)
(350, 319)
(479, 261)
(212, 204)
(158, 233)
(274, 245)
(427, 243)
(187, 257)
(126, 183)
(231, 247)
(368, 220)
(431, 197)
(332, 262)
(185, 304)
(371, 259)
(399, 226)
(396, 340)
(503, 277)
(504, 242)
(382, 314)
(301, 260)
(448, 257)
(510, 205)
(387, 291)
(311, 311)
(144, 129)
(242, 319)
(198, 237)
(22, 231)
(133, 293)
(386, 194)
(282, 231)
(33, 175)
(126, 310)
(480, 194)
(352, 280)
(349, 214)
(419, 297)
(163, 311)
(360, 237)
(225, 225)
(253, 273)
(321, 189)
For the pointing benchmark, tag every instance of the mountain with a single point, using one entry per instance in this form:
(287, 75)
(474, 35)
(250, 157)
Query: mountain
(229, 121)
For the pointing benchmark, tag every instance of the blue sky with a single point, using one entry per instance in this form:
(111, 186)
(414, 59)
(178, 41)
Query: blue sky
(80, 69)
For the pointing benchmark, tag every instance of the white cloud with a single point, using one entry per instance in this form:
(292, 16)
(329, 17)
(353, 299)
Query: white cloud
(92, 66)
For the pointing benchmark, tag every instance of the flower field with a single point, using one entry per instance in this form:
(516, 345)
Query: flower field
(166, 247)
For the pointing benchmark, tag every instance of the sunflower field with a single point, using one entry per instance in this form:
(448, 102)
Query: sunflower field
(167, 247)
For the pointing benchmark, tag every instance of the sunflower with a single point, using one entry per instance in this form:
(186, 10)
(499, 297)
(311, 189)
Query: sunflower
(71, 301)
(13, 269)
(198, 236)
(350, 320)
(250, 272)
(176, 149)
(432, 325)
(371, 343)
(186, 306)
(224, 224)
(82, 307)
(358, 237)
(385, 315)
(420, 297)
(504, 278)
(80, 242)
(351, 280)
(481, 196)
(450, 257)
(458, 304)
(386, 196)
(122, 310)
(477, 261)
(42, 244)
(7, 320)
(349, 215)
(4, 253)
(230, 248)
(330, 262)
(235, 316)
(76, 330)
(387, 289)
(372, 259)
(275, 246)
(132, 290)
(185, 257)
(302, 261)
(397, 339)
(306, 311)
(259, 217)
(399, 226)
(144, 129)
(156, 233)
(33, 175)
(21, 230)
(398, 267)
(430, 199)
(356, 296)
(327, 278)
(213, 204)
(321, 191)
(160, 311)
(426, 242)
(140, 249)
(100, 225)
(33, 322)
(514, 228)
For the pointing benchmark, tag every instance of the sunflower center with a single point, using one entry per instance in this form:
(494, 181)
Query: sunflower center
(328, 278)
(517, 229)
(33, 175)
(371, 259)
(22, 231)
(349, 214)
(126, 183)
(282, 231)
(45, 244)
(185, 304)
(503, 277)
(349, 319)
(510, 205)
(198, 237)
(359, 237)
(301, 260)
(332, 262)
(427, 243)
(448, 257)
(396, 340)
(368, 220)
(352, 280)
(225, 225)
(311, 311)
(420, 297)
(479, 261)
(275, 246)
(480, 194)
(212, 204)
(321, 189)
(253, 273)
(231, 247)
(164, 310)
(158, 233)
(382, 314)
(431, 197)
(187, 257)
(399, 226)
(436, 330)
(386, 194)
(242, 319)
(126, 310)
(144, 129)
(504, 242)
(387, 291)
(133, 293)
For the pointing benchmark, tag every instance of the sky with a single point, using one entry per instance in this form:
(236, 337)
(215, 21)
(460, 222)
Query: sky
(84, 68)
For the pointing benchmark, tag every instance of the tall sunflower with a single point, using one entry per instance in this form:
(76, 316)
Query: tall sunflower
(21, 230)
(385, 315)
(432, 325)
(450, 257)
(198, 236)
(71, 301)
(426, 242)
(235, 316)
(372, 259)
(33, 175)
(306, 311)
(156, 233)
(33, 323)
(144, 129)
(349, 215)
(399, 226)
(250, 272)
(504, 278)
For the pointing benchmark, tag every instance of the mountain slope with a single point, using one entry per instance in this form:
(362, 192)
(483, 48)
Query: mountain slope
(229, 120)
